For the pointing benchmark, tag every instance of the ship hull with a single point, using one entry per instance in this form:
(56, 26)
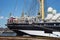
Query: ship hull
(33, 29)
(41, 33)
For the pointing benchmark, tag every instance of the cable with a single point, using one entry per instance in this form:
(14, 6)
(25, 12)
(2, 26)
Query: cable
(32, 7)
(15, 8)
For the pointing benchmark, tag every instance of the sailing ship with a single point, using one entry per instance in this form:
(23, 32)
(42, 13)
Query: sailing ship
(36, 25)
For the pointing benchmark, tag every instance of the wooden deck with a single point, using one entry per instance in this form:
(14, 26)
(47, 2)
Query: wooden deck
(28, 38)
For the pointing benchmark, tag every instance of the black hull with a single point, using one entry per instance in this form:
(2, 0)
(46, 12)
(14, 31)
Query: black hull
(39, 26)
(33, 27)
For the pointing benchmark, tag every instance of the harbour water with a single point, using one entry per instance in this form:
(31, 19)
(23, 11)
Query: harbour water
(8, 34)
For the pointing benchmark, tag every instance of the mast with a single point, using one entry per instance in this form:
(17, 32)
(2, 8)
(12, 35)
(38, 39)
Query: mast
(22, 14)
(41, 15)
(10, 14)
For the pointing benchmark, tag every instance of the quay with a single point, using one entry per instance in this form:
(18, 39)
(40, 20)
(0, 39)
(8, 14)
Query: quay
(28, 38)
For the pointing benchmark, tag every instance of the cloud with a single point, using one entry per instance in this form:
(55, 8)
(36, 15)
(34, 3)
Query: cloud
(1, 17)
(6, 18)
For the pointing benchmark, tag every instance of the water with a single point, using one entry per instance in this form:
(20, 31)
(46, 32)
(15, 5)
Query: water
(8, 34)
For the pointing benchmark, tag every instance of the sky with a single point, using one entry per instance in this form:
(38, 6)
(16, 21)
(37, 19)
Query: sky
(17, 6)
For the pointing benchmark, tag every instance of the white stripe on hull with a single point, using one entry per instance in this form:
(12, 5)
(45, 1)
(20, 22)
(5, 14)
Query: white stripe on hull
(41, 33)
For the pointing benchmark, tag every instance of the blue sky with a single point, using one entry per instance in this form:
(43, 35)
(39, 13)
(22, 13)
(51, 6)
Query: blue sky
(7, 6)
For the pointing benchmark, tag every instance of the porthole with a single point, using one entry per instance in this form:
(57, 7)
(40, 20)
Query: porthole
(54, 24)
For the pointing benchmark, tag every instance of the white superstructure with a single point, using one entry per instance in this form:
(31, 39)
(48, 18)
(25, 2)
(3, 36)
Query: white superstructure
(52, 15)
